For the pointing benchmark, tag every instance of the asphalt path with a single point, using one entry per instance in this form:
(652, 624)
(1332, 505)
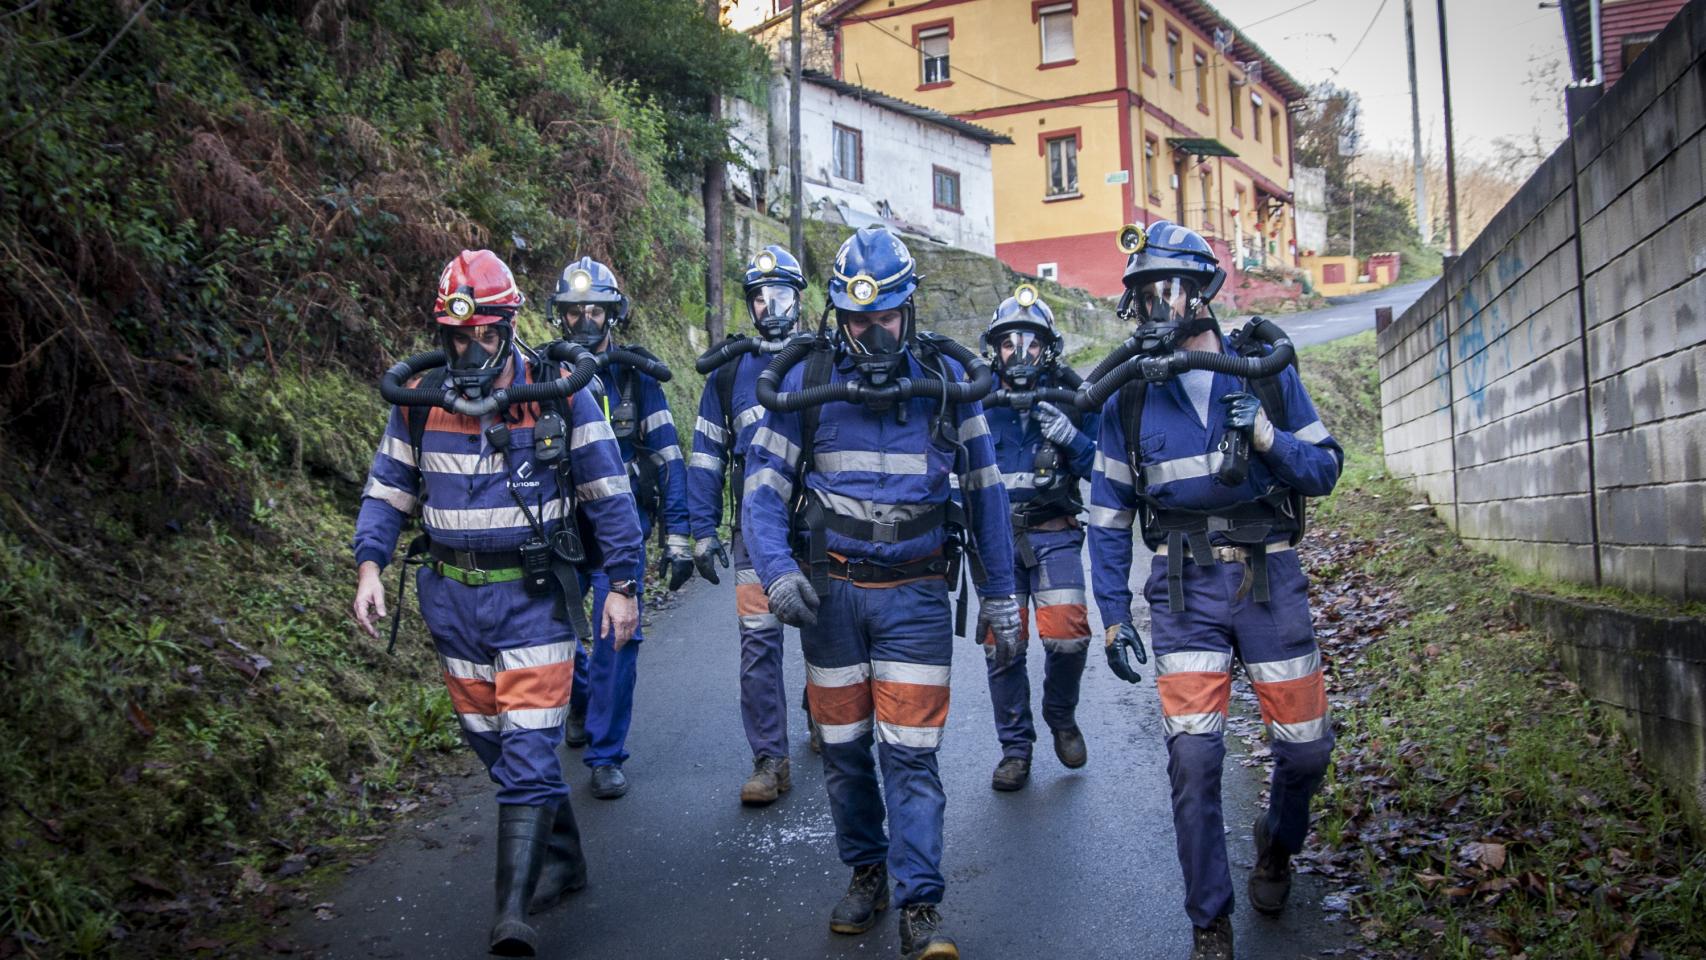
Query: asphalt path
(1345, 316)
(1080, 863)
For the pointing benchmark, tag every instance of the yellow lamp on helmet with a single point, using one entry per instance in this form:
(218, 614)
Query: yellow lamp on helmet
(459, 305)
(862, 289)
(1025, 295)
(1133, 239)
(580, 280)
(766, 262)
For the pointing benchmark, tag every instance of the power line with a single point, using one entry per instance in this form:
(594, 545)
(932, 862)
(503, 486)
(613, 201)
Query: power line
(1365, 32)
(1276, 16)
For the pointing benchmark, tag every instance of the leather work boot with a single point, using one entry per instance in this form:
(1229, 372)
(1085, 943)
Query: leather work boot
(1011, 774)
(921, 936)
(1213, 942)
(522, 834)
(565, 865)
(1069, 747)
(574, 732)
(609, 782)
(867, 896)
(770, 779)
(1270, 881)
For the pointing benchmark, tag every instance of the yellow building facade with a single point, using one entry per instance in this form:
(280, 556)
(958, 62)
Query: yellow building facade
(1120, 111)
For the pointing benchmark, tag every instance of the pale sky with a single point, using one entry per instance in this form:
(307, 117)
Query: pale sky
(1494, 45)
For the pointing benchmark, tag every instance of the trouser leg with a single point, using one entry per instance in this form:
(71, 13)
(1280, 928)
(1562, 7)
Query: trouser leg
(838, 678)
(1063, 622)
(1010, 696)
(763, 696)
(611, 675)
(911, 629)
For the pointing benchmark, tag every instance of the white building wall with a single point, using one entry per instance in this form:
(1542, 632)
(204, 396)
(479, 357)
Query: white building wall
(1309, 196)
(749, 135)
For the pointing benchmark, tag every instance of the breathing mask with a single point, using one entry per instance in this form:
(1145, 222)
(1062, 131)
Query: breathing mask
(474, 369)
(775, 308)
(1168, 311)
(1020, 366)
(876, 351)
(586, 324)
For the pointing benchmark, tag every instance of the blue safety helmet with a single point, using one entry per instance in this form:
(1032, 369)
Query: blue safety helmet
(583, 282)
(1166, 251)
(1027, 322)
(873, 272)
(775, 280)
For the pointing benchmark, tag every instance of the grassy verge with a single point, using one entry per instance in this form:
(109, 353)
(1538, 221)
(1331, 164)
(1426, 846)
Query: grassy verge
(1480, 805)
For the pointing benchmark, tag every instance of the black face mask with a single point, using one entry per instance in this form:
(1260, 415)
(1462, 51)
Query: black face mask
(877, 341)
(586, 332)
(473, 373)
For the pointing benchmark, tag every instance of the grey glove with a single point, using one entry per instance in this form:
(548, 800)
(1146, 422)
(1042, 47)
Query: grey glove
(793, 600)
(999, 617)
(1056, 426)
(706, 551)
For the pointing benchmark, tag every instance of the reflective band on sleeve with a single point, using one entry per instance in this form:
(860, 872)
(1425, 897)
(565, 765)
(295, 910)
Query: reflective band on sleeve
(1306, 732)
(1197, 723)
(656, 420)
(1110, 518)
(603, 487)
(768, 478)
(1019, 481)
(873, 461)
(712, 432)
(666, 454)
(1117, 471)
(774, 442)
(591, 432)
(981, 477)
(705, 461)
(401, 499)
(542, 655)
(1185, 468)
(1276, 671)
(973, 428)
(748, 417)
(1312, 433)
(398, 449)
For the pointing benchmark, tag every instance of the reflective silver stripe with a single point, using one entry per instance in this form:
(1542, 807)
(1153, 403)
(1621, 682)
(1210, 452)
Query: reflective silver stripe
(873, 461)
(467, 669)
(768, 478)
(746, 575)
(1117, 471)
(401, 499)
(973, 428)
(463, 464)
(748, 417)
(896, 671)
(603, 487)
(494, 518)
(1277, 671)
(666, 454)
(1019, 481)
(481, 722)
(1306, 732)
(1193, 661)
(591, 432)
(1312, 433)
(656, 420)
(1066, 596)
(919, 738)
(398, 449)
(838, 676)
(760, 621)
(981, 477)
(712, 432)
(544, 655)
(705, 461)
(680, 542)
(844, 732)
(1064, 646)
(1111, 518)
(543, 718)
(774, 442)
(1185, 468)
(870, 509)
(1199, 723)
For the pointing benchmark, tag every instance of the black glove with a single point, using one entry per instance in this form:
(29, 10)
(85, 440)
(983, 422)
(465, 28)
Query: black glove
(793, 600)
(706, 551)
(677, 561)
(1120, 638)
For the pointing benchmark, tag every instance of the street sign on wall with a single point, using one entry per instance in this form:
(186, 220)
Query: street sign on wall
(1118, 176)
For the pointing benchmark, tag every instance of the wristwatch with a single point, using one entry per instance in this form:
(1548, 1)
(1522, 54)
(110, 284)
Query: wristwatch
(627, 588)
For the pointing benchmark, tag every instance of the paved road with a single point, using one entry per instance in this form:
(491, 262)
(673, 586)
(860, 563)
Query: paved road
(1079, 864)
(1347, 315)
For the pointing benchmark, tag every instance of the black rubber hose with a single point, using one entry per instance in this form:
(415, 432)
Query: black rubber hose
(583, 367)
(853, 391)
(1069, 378)
(391, 384)
(640, 360)
(1125, 351)
(1058, 396)
(724, 352)
(789, 357)
(1097, 390)
(982, 378)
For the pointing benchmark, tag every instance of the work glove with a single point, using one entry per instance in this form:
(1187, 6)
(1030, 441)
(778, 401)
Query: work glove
(998, 617)
(1123, 637)
(793, 600)
(677, 560)
(1244, 413)
(1056, 426)
(707, 550)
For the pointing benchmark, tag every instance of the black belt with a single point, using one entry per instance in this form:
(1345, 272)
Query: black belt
(880, 531)
(864, 571)
(476, 559)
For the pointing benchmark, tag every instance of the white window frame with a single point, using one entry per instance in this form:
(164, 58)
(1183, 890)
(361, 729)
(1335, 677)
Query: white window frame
(935, 33)
(1256, 116)
(858, 137)
(1068, 189)
(1048, 271)
(1043, 16)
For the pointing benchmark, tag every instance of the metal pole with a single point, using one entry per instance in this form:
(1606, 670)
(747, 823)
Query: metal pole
(1353, 217)
(1416, 128)
(796, 228)
(1450, 153)
(1598, 43)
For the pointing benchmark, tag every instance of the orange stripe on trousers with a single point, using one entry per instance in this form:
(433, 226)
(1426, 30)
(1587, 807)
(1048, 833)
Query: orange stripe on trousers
(472, 696)
(750, 599)
(911, 704)
(838, 706)
(535, 688)
(1063, 621)
(1293, 701)
(1183, 694)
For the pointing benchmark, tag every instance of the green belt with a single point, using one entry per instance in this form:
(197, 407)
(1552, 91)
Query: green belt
(475, 578)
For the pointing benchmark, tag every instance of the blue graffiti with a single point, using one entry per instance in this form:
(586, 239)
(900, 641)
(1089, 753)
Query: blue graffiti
(1492, 324)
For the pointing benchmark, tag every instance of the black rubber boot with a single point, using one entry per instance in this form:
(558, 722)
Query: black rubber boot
(1069, 747)
(1011, 774)
(1213, 942)
(565, 865)
(921, 936)
(522, 834)
(867, 896)
(1270, 881)
(574, 732)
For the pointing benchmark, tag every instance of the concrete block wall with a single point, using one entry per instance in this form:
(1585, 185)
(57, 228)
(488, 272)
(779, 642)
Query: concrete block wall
(1548, 395)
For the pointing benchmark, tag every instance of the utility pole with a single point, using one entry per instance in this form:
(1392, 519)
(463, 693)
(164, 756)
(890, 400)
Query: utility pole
(1416, 128)
(715, 174)
(796, 228)
(1450, 153)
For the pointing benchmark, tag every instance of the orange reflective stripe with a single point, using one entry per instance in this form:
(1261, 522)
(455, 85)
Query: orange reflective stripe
(471, 695)
(750, 599)
(1190, 693)
(440, 420)
(1063, 621)
(1293, 701)
(535, 688)
(837, 706)
(910, 704)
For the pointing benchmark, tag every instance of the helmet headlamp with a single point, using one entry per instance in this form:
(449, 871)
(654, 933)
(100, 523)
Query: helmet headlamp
(1133, 239)
(580, 281)
(862, 289)
(765, 261)
(459, 305)
(1026, 295)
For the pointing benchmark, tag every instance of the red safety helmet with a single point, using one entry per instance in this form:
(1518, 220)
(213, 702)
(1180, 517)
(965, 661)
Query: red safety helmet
(475, 289)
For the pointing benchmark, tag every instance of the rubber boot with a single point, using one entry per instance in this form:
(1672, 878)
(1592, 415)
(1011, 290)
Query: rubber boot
(522, 835)
(1270, 881)
(867, 895)
(921, 936)
(565, 865)
(1213, 942)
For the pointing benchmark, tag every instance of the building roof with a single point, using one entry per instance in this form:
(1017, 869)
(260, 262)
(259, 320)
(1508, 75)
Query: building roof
(937, 117)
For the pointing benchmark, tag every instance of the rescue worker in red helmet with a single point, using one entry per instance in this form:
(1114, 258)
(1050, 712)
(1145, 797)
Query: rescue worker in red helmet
(483, 493)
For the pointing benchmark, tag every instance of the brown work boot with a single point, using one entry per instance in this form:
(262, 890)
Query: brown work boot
(1213, 942)
(1270, 881)
(770, 779)
(1010, 774)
